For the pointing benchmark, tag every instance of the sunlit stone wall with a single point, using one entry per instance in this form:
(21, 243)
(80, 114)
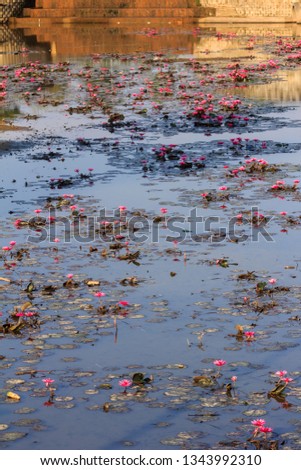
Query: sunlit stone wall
(250, 8)
(244, 9)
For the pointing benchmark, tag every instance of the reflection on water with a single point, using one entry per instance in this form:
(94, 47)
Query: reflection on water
(10, 42)
(286, 88)
(236, 41)
(64, 42)
(72, 41)
(14, 44)
(76, 40)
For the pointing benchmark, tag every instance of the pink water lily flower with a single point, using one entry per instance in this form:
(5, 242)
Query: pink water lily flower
(125, 383)
(123, 303)
(287, 380)
(99, 294)
(48, 381)
(258, 422)
(223, 188)
(29, 314)
(219, 362)
(249, 335)
(281, 373)
(163, 210)
(272, 281)
(265, 429)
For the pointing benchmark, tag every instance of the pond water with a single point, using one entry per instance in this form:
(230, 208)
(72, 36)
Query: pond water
(172, 124)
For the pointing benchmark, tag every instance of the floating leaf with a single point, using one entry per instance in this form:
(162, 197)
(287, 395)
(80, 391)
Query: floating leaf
(91, 283)
(15, 381)
(162, 424)
(106, 407)
(277, 390)
(13, 396)
(25, 410)
(129, 281)
(15, 328)
(11, 436)
(25, 306)
(139, 379)
(255, 412)
(30, 287)
(105, 386)
(48, 290)
(260, 286)
(176, 366)
(240, 332)
(63, 399)
(27, 422)
(203, 381)
(249, 276)
(64, 406)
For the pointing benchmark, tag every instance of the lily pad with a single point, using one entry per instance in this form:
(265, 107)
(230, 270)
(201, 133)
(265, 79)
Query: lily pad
(255, 412)
(11, 436)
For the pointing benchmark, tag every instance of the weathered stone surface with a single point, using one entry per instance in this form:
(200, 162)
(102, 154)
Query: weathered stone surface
(250, 8)
(217, 10)
(297, 12)
(112, 9)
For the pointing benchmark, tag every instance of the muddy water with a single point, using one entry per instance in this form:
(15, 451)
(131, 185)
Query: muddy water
(185, 299)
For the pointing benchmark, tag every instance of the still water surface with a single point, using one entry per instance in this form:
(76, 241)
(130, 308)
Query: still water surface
(184, 312)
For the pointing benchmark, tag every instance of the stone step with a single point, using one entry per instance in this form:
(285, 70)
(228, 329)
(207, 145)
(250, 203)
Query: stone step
(255, 20)
(28, 22)
(108, 12)
(51, 4)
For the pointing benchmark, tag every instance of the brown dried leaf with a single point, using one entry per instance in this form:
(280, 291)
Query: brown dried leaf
(91, 283)
(13, 396)
(25, 306)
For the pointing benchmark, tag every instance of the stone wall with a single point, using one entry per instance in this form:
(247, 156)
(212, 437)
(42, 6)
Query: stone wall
(246, 10)
(250, 8)
(130, 9)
